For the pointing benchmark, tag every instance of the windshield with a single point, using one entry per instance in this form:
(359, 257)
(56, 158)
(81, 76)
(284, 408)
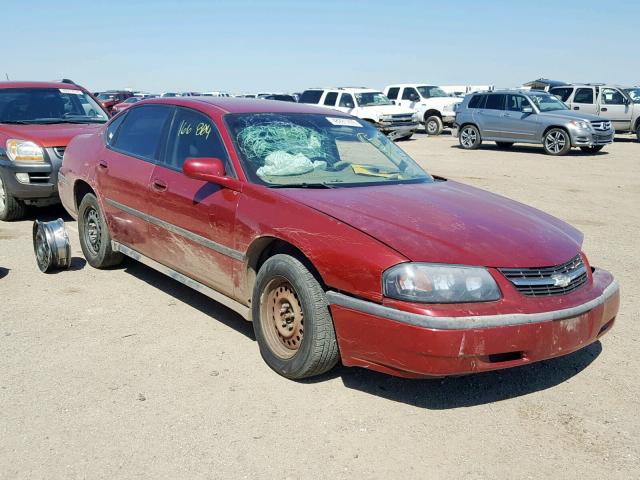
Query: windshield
(634, 93)
(131, 100)
(313, 150)
(430, 92)
(371, 99)
(48, 105)
(546, 102)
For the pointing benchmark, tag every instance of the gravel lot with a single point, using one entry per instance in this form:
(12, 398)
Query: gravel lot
(128, 374)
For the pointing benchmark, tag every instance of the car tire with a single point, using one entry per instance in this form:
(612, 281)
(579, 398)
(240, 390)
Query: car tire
(638, 131)
(556, 142)
(504, 145)
(469, 137)
(406, 137)
(95, 239)
(10, 207)
(291, 319)
(433, 125)
(592, 149)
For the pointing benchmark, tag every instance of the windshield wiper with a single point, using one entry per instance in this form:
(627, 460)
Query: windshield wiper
(52, 121)
(15, 122)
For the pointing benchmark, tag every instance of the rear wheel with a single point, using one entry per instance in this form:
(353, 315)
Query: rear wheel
(10, 207)
(433, 125)
(556, 142)
(504, 144)
(95, 239)
(592, 149)
(291, 319)
(638, 131)
(469, 137)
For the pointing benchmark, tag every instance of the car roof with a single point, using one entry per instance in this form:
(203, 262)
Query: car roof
(68, 86)
(243, 105)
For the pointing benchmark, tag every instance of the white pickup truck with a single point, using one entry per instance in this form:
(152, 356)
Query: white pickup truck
(435, 108)
(398, 123)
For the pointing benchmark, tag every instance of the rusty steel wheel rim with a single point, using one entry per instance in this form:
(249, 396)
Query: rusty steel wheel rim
(282, 319)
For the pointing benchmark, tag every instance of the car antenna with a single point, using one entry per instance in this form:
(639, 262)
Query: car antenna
(7, 75)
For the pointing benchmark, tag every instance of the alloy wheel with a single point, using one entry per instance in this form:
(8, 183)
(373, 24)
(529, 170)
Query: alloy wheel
(555, 141)
(432, 127)
(468, 137)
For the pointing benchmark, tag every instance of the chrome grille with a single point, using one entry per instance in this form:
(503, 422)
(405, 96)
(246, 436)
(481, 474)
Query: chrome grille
(543, 281)
(601, 125)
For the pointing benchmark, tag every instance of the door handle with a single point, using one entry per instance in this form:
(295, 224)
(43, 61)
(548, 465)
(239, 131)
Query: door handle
(103, 165)
(603, 109)
(158, 185)
(576, 108)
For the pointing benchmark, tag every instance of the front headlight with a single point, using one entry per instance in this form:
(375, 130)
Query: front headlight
(24, 151)
(580, 124)
(437, 283)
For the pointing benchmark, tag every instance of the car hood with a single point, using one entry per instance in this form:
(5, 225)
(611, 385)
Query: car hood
(448, 222)
(572, 115)
(56, 135)
(440, 102)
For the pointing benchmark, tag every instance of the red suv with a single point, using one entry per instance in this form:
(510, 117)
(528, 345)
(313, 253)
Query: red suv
(332, 240)
(113, 97)
(37, 120)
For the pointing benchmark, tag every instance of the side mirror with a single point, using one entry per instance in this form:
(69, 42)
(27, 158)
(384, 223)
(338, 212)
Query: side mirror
(210, 170)
(527, 110)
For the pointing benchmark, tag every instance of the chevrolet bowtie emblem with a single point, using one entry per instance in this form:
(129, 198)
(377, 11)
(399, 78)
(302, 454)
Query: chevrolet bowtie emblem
(561, 280)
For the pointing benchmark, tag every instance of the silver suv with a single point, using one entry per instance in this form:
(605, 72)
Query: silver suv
(513, 116)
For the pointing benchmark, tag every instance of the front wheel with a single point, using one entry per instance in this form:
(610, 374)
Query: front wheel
(469, 137)
(433, 125)
(556, 142)
(592, 149)
(638, 131)
(291, 319)
(10, 207)
(94, 235)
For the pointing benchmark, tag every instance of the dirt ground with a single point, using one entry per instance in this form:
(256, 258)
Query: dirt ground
(126, 374)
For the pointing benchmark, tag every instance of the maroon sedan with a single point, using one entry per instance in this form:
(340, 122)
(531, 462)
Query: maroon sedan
(332, 240)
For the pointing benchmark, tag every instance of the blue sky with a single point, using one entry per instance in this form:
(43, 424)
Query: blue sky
(242, 46)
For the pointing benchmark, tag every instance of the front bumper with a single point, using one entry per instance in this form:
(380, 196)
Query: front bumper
(581, 138)
(397, 130)
(414, 345)
(43, 178)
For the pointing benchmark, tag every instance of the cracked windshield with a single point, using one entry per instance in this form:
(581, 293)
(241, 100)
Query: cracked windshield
(293, 150)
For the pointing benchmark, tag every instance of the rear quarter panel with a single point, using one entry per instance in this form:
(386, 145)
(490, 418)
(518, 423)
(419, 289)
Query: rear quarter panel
(79, 164)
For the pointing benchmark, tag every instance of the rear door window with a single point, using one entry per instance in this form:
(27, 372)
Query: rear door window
(142, 130)
(583, 95)
(193, 135)
(331, 98)
(495, 101)
(310, 96)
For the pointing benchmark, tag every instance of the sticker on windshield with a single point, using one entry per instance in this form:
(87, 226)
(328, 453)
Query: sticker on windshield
(73, 92)
(344, 122)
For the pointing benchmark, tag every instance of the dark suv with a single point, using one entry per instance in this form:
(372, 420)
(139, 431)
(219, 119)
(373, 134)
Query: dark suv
(37, 121)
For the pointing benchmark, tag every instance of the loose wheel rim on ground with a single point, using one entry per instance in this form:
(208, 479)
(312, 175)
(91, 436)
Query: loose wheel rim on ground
(555, 141)
(468, 137)
(43, 251)
(92, 231)
(282, 318)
